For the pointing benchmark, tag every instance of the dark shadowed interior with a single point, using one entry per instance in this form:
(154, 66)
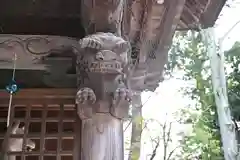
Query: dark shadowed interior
(52, 125)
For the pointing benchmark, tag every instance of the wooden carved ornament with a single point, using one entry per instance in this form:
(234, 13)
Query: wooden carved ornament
(106, 56)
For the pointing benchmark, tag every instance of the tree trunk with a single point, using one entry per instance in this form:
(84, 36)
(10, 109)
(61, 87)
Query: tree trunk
(227, 129)
(135, 147)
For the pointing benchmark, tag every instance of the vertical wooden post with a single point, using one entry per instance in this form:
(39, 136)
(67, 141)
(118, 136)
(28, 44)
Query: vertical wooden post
(103, 100)
(102, 133)
(102, 138)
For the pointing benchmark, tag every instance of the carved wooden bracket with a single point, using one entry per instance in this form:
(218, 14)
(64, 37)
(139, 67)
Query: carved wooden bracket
(105, 59)
(32, 50)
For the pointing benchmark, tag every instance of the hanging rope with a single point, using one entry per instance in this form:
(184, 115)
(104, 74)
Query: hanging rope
(11, 88)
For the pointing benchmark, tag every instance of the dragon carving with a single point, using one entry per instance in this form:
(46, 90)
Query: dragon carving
(106, 56)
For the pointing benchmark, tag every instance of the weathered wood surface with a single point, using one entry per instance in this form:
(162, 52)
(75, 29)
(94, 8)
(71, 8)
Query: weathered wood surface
(107, 67)
(52, 9)
(60, 17)
(15, 144)
(41, 25)
(148, 25)
(41, 78)
(103, 100)
(35, 52)
(124, 50)
(41, 93)
(102, 138)
(152, 27)
(44, 55)
(149, 30)
(102, 16)
(197, 12)
(38, 97)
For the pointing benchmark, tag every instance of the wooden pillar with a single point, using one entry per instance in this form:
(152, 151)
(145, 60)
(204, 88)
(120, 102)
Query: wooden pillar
(102, 138)
(103, 96)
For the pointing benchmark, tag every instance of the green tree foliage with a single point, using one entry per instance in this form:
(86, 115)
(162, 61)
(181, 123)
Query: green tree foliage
(233, 62)
(189, 55)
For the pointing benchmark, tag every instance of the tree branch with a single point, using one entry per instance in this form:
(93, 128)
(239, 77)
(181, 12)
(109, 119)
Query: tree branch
(171, 153)
(155, 149)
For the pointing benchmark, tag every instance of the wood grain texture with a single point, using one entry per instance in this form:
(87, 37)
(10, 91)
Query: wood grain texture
(102, 16)
(102, 138)
(41, 93)
(30, 50)
(151, 30)
(38, 97)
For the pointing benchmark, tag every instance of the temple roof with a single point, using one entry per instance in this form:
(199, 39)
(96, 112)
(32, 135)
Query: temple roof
(153, 32)
(204, 12)
(150, 30)
(61, 17)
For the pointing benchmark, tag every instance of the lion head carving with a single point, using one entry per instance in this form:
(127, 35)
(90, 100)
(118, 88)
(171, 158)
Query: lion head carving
(104, 53)
(104, 57)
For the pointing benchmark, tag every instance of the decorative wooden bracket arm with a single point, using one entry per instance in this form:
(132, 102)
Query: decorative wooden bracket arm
(104, 56)
(152, 26)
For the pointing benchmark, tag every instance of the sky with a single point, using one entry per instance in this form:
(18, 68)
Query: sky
(227, 19)
(167, 98)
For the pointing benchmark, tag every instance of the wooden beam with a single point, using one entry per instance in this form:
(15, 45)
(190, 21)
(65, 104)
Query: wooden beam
(37, 103)
(162, 43)
(211, 13)
(42, 54)
(102, 16)
(53, 8)
(41, 93)
(38, 79)
(40, 97)
(40, 25)
(171, 19)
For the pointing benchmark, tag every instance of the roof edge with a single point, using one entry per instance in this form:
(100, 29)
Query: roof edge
(212, 13)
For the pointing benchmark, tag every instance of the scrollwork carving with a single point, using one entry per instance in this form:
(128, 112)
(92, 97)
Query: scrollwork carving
(32, 49)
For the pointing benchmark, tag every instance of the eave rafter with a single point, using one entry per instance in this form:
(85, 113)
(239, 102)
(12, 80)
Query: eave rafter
(148, 25)
(152, 27)
(108, 70)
